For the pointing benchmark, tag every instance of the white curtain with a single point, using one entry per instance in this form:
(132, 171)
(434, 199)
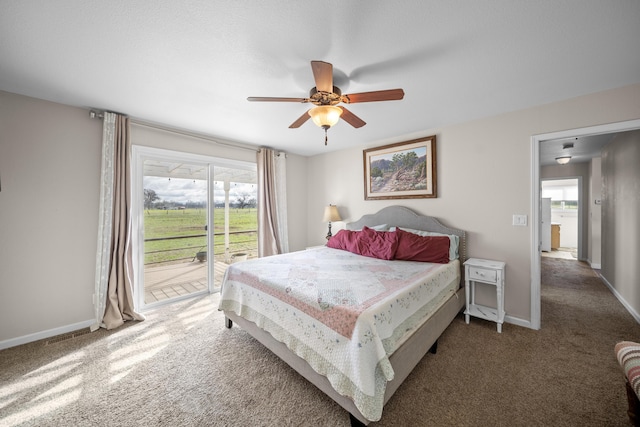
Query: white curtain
(281, 201)
(273, 237)
(114, 271)
(105, 219)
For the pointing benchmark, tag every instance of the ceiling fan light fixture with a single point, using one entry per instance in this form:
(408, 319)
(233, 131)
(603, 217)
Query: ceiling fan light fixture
(563, 160)
(325, 116)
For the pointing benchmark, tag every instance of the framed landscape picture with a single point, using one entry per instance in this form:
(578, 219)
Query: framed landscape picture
(405, 170)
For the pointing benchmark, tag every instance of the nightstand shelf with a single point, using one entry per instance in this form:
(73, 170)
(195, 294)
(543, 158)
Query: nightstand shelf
(489, 272)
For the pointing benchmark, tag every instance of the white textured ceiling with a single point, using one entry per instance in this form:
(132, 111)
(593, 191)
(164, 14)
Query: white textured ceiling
(191, 64)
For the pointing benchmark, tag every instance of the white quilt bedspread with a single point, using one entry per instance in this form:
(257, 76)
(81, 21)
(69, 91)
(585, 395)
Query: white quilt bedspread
(342, 313)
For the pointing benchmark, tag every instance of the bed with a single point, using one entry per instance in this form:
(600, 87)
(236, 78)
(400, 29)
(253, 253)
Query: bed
(356, 343)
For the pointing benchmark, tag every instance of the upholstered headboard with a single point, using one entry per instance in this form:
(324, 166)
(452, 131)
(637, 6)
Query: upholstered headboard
(399, 216)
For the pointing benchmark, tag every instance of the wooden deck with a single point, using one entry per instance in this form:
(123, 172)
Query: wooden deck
(169, 281)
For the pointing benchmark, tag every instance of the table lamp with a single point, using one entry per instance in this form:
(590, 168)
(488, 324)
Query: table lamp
(331, 214)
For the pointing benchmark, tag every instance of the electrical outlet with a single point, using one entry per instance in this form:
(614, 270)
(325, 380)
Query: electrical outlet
(520, 220)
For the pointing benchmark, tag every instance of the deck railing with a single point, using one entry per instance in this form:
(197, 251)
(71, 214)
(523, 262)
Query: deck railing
(245, 241)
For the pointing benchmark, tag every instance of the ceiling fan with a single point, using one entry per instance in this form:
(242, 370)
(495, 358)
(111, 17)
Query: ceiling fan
(325, 96)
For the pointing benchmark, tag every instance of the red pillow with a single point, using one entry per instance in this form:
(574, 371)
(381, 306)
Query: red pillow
(368, 242)
(377, 244)
(412, 247)
(345, 240)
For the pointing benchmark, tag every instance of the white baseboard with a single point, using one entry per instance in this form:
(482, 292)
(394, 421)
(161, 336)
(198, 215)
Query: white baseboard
(595, 266)
(621, 299)
(45, 334)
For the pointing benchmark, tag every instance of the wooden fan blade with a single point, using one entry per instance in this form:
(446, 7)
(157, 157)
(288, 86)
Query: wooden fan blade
(323, 75)
(379, 95)
(351, 118)
(268, 99)
(300, 121)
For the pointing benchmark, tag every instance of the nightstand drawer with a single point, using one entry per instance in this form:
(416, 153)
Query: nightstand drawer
(476, 273)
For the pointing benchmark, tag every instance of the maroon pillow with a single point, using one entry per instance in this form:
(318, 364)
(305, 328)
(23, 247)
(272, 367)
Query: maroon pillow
(368, 242)
(412, 247)
(377, 244)
(345, 240)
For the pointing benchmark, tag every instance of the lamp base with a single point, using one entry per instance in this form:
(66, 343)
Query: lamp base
(329, 232)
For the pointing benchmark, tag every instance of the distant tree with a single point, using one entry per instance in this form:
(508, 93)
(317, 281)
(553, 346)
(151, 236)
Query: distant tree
(150, 196)
(245, 200)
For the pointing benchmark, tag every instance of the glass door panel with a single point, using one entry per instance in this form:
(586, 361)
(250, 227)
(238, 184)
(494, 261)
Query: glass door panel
(235, 217)
(175, 230)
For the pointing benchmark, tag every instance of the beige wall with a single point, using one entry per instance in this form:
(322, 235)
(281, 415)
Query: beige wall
(50, 171)
(484, 177)
(620, 217)
(595, 214)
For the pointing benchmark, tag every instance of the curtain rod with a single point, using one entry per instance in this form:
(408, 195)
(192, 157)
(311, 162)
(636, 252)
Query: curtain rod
(99, 114)
(192, 135)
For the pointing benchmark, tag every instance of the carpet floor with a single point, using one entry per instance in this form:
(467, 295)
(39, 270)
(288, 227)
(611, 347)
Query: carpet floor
(182, 367)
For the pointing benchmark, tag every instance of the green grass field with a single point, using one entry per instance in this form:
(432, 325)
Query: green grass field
(169, 224)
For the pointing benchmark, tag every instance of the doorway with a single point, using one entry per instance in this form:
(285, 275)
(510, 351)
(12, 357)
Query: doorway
(194, 216)
(561, 219)
(536, 141)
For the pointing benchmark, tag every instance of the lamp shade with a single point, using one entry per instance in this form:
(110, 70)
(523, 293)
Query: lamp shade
(331, 214)
(563, 160)
(325, 116)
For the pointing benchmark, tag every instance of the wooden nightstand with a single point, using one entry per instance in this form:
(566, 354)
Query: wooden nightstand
(489, 272)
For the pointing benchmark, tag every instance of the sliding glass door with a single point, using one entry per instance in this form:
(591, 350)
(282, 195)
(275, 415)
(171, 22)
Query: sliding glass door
(195, 216)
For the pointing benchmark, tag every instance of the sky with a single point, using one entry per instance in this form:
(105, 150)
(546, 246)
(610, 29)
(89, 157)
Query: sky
(181, 190)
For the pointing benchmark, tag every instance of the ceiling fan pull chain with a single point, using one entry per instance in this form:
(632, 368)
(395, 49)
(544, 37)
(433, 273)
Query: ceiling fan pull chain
(325, 137)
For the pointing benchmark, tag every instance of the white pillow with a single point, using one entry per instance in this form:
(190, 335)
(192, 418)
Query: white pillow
(381, 227)
(454, 241)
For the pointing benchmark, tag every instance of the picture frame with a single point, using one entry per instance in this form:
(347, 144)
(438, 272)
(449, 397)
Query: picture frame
(404, 170)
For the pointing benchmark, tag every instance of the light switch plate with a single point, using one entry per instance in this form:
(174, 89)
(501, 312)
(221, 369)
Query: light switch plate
(520, 220)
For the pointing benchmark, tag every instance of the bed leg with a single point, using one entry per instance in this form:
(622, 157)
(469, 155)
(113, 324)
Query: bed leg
(228, 322)
(355, 422)
(434, 348)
